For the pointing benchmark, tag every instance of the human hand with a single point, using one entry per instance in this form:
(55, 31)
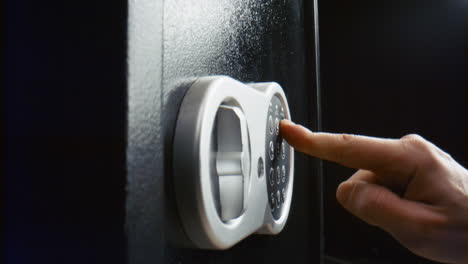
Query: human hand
(408, 187)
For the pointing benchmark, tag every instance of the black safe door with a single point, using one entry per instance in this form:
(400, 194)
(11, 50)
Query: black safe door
(93, 91)
(172, 43)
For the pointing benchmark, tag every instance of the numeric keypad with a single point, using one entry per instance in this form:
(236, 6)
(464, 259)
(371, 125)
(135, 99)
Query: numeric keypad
(277, 150)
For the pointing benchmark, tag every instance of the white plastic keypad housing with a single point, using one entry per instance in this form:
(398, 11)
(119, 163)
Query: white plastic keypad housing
(223, 158)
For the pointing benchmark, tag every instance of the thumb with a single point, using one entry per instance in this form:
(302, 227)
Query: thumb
(376, 204)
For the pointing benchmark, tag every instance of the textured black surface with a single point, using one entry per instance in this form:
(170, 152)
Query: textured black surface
(250, 41)
(389, 68)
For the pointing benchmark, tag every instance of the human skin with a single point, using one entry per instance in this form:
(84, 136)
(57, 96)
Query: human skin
(408, 187)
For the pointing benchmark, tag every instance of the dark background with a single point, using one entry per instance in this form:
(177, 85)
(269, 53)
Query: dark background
(388, 68)
(92, 90)
(64, 105)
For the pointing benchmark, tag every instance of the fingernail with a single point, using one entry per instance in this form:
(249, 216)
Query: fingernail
(343, 192)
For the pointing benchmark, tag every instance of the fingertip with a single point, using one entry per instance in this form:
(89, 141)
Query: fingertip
(285, 123)
(286, 128)
(294, 134)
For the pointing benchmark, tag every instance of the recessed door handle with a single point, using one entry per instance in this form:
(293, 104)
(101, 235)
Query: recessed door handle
(232, 160)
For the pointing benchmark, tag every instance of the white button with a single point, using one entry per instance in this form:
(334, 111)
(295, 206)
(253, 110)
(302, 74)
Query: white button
(272, 201)
(278, 196)
(283, 173)
(278, 149)
(283, 150)
(278, 175)
(272, 150)
(277, 126)
(271, 125)
(272, 176)
(284, 195)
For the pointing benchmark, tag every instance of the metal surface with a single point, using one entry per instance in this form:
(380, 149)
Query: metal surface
(92, 91)
(251, 41)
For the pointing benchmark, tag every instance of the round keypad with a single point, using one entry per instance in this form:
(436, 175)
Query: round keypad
(277, 163)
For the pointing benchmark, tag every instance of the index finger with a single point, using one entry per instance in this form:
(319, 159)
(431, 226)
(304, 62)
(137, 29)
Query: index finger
(359, 152)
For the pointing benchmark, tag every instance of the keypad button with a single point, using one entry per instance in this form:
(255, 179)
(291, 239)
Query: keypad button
(277, 162)
(283, 150)
(283, 173)
(277, 126)
(271, 125)
(278, 149)
(278, 175)
(272, 200)
(278, 199)
(272, 150)
(272, 176)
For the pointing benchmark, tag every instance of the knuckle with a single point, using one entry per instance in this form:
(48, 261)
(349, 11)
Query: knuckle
(345, 140)
(412, 137)
(414, 141)
(420, 148)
